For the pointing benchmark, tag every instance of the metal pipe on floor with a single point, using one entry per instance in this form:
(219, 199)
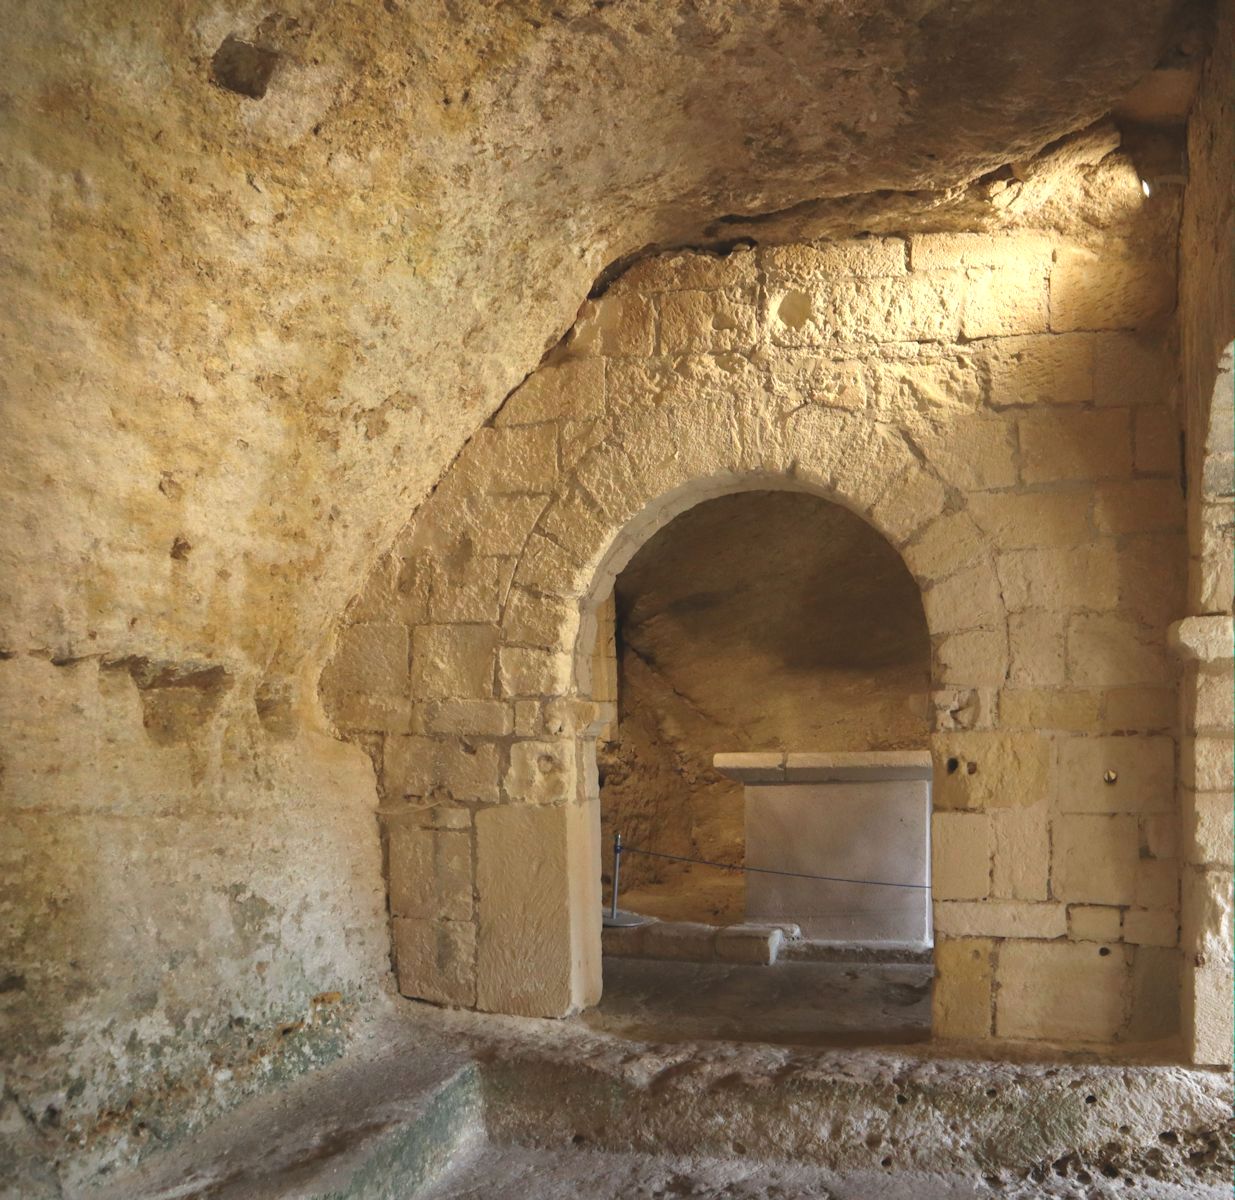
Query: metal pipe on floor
(617, 875)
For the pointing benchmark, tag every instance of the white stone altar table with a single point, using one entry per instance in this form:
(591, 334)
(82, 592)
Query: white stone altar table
(863, 816)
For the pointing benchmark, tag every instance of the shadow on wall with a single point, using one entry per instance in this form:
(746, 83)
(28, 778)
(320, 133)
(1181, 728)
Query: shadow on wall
(756, 621)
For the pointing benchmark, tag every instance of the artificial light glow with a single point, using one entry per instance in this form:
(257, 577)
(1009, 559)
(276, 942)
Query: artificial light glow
(1145, 187)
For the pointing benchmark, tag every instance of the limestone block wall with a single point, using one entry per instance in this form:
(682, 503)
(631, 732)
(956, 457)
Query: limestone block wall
(1000, 409)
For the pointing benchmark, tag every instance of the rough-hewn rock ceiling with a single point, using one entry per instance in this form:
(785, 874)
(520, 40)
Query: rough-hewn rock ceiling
(262, 325)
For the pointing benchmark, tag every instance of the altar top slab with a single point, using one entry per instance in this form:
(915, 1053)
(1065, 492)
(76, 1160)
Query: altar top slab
(791, 766)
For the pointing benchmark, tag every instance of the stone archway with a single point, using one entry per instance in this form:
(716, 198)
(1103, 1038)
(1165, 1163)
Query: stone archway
(529, 829)
(468, 684)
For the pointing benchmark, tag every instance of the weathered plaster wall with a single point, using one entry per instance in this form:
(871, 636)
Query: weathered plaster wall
(192, 905)
(243, 338)
(1002, 410)
(761, 621)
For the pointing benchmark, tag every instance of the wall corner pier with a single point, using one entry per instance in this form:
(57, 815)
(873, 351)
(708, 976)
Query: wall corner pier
(1206, 648)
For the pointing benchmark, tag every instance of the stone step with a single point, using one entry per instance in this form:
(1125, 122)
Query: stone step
(690, 941)
(385, 1122)
(748, 942)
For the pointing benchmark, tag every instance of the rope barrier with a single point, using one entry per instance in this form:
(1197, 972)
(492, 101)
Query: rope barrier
(624, 849)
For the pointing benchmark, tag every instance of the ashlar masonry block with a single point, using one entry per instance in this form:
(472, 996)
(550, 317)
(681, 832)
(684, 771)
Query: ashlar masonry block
(1208, 1015)
(991, 769)
(1209, 828)
(1095, 859)
(1059, 578)
(450, 767)
(530, 860)
(964, 982)
(1116, 774)
(1060, 990)
(542, 772)
(453, 661)
(1091, 290)
(430, 872)
(960, 856)
(1061, 446)
(435, 960)
(1207, 914)
(1094, 923)
(1010, 299)
(1021, 862)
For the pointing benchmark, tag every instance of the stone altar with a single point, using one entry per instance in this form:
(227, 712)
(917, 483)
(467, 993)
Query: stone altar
(855, 816)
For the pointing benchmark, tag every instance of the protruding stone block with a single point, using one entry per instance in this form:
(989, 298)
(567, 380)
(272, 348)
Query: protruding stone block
(1208, 1015)
(754, 944)
(542, 772)
(682, 941)
(534, 876)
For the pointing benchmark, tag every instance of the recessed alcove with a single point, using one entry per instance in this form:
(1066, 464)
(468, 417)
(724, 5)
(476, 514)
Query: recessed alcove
(766, 620)
(751, 626)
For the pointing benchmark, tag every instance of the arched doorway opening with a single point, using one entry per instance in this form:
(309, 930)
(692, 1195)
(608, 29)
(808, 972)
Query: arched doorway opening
(764, 621)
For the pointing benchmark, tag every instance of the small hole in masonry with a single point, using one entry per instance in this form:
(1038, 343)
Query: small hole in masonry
(953, 765)
(1104, 951)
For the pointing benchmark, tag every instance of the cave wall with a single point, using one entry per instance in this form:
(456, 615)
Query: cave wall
(760, 621)
(250, 321)
(1001, 408)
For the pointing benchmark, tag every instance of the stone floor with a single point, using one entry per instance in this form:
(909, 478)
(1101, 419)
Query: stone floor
(787, 1003)
(704, 894)
(488, 1172)
(435, 1105)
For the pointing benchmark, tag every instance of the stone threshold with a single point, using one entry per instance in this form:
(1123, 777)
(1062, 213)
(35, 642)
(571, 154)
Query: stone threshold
(751, 943)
